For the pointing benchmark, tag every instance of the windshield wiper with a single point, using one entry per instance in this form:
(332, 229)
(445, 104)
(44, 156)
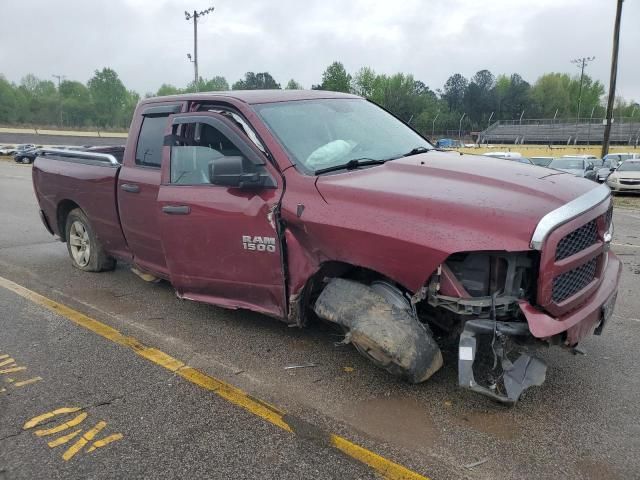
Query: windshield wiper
(416, 151)
(350, 165)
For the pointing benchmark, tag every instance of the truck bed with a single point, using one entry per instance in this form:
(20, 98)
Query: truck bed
(64, 180)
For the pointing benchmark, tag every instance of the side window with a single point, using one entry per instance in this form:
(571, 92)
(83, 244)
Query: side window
(149, 148)
(196, 152)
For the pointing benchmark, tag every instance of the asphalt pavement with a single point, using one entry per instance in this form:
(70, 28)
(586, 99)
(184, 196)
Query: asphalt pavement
(584, 422)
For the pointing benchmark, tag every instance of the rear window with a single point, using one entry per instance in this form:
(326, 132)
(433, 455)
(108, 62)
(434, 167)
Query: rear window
(149, 148)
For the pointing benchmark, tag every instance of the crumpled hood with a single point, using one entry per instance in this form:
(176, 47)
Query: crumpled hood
(458, 202)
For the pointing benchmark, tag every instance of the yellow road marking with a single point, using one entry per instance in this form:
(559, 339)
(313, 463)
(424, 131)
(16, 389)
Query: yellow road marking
(76, 447)
(63, 439)
(234, 395)
(27, 382)
(71, 423)
(104, 441)
(46, 416)
(14, 369)
(7, 362)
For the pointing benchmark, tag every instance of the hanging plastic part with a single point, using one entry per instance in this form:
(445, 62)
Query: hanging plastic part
(525, 372)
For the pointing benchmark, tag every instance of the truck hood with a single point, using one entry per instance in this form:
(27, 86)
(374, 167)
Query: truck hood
(460, 202)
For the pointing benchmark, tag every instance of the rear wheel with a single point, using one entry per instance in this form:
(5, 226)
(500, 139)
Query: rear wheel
(83, 245)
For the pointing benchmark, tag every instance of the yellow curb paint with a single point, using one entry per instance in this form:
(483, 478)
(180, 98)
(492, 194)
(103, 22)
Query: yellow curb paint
(71, 423)
(104, 441)
(233, 395)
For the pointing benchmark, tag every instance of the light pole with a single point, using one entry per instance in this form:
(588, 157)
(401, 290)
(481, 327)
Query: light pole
(194, 16)
(613, 78)
(60, 79)
(581, 63)
(590, 122)
(460, 127)
(433, 125)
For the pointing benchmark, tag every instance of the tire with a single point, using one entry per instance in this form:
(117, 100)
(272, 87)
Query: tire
(83, 245)
(17, 159)
(26, 160)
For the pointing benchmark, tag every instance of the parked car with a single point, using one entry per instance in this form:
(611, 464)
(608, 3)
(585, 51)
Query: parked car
(449, 143)
(25, 153)
(626, 177)
(603, 169)
(541, 161)
(514, 156)
(7, 150)
(578, 166)
(291, 202)
(617, 158)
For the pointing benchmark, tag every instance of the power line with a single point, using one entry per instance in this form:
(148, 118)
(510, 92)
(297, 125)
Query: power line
(194, 16)
(581, 63)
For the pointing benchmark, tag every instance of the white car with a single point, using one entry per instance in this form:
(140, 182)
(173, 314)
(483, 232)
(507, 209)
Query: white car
(625, 178)
(7, 150)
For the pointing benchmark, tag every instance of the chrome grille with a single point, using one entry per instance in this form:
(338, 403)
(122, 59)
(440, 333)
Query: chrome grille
(578, 240)
(571, 282)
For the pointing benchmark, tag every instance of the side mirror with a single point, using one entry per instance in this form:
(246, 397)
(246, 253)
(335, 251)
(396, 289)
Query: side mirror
(236, 171)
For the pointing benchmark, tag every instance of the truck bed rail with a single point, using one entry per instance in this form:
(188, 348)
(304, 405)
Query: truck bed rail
(91, 158)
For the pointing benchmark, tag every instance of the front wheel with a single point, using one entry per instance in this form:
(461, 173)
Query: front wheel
(83, 245)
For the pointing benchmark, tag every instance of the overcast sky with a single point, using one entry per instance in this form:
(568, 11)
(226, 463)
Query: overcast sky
(146, 41)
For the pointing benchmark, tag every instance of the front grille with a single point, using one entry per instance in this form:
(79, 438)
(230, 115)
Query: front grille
(629, 182)
(571, 282)
(578, 240)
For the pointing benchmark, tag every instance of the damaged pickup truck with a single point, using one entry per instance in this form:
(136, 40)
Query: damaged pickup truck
(307, 204)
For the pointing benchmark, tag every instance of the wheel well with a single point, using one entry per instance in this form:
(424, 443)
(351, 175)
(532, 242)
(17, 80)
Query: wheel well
(301, 304)
(64, 207)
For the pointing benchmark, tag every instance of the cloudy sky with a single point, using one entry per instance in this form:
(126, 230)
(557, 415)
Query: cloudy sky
(146, 41)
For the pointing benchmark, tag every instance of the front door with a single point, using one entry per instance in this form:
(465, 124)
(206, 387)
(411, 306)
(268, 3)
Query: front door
(220, 242)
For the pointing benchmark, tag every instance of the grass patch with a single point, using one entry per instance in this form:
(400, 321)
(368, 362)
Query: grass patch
(627, 201)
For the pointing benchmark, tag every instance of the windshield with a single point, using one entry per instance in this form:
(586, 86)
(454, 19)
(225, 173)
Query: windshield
(629, 166)
(597, 163)
(567, 163)
(325, 133)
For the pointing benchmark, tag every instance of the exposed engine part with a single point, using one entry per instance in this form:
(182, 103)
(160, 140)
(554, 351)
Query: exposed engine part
(381, 327)
(513, 377)
(474, 283)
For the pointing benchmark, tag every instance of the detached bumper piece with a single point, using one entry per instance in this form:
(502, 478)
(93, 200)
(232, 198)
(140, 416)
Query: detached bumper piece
(507, 382)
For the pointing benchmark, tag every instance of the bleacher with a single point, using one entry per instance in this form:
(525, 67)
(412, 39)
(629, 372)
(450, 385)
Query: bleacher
(624, 131)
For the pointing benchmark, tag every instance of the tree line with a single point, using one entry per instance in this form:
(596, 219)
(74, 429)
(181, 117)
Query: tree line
(105, 102)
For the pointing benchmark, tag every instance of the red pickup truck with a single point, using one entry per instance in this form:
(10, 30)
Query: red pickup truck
(312, 204)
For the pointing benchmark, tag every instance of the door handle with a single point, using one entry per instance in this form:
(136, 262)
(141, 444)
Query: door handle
(176, 209)
(130, 187)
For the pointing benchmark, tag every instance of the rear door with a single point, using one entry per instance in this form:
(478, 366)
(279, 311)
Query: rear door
(221, 242)
(138, 186)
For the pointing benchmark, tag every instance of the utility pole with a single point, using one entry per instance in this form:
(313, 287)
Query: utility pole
(612, 79)
(433, 125)
(460, 126)
(60, 79)
(581, 63)
(189, 16)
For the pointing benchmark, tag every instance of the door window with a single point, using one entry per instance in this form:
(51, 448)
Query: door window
(194, 154)
(149, 148)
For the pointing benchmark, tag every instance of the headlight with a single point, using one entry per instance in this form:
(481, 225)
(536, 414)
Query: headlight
(608, 235)
(612, 179)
